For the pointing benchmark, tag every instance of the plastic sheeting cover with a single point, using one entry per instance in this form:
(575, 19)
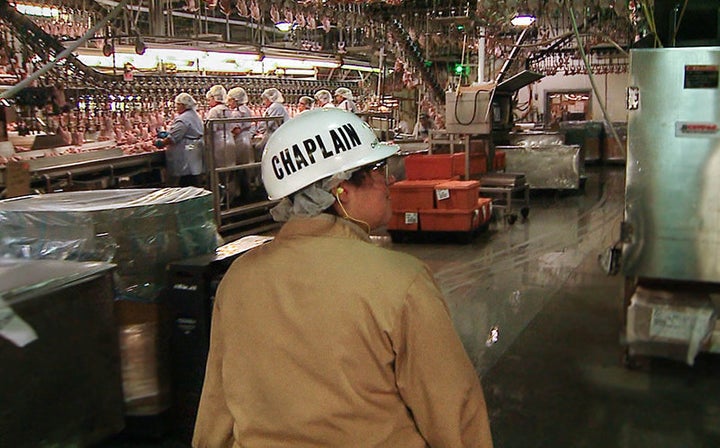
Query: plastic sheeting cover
(140, 230)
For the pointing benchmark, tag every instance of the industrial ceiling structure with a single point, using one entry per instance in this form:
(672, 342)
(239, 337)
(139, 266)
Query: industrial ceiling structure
(426, 43)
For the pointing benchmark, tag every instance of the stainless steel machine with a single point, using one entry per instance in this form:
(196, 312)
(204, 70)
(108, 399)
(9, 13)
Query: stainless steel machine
(671, 232)
(484, 108)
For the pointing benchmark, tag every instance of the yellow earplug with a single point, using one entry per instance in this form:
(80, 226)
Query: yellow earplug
(340, 190)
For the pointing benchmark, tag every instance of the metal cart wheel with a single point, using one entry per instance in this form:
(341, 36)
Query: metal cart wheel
(511, 219)
(525, 211)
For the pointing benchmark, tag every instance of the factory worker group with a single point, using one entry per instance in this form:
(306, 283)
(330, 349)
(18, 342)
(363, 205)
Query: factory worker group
(232, 141)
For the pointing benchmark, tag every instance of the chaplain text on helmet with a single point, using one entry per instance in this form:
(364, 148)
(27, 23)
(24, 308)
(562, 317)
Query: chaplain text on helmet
(318, 144)
(305, 153)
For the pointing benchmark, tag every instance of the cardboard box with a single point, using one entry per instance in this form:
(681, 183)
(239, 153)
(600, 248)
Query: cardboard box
(457, 194)
(143, 332)
(669, 324)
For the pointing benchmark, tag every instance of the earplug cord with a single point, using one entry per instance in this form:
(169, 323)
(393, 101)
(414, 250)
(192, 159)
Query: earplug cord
(347, 216)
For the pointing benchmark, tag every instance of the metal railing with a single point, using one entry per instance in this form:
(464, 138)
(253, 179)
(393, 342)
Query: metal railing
(240, 202)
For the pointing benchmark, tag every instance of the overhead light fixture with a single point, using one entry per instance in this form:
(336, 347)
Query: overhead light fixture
(522, 20)
(284, 26)
(360, 68)
(32, 10)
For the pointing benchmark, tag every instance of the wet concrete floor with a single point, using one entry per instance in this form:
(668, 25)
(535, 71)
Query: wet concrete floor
(542, 322)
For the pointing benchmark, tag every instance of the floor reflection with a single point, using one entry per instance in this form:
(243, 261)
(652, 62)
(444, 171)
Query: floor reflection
(498, 283)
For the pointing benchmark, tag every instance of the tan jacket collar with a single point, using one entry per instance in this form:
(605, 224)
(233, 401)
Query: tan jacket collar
(322, 225)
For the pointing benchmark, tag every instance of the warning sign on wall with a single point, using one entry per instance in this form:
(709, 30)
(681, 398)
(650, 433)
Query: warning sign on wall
(701, 77)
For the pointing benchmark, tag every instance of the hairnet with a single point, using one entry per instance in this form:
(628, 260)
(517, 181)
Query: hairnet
(217, 92)
(306, 100)
(238, 94)
(311, 200)
(186, 100)
(323, 96)
(273, 95)
(344, 92)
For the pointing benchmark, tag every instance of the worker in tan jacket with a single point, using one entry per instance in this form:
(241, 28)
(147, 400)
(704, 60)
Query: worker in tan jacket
(321, 338)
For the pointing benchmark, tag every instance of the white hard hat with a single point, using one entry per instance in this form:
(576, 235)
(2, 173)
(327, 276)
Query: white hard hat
(344, 92)
(186, 99)
(323, 96)
(315, 145)
(238, 94)
(217, 92)
(273, 95)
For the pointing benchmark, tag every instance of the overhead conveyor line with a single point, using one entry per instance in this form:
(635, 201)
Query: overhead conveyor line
(8, 11)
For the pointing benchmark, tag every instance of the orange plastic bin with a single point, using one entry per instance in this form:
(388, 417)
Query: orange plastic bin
(438, 220)
(457, 194)
(413, 194)
(429, 166)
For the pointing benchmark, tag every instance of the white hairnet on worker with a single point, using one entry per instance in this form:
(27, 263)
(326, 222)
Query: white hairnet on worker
(217, 92)
(311, 200)
(323, 96)
(344, 92)
(186, 99)
(238, 94)
(273, 95)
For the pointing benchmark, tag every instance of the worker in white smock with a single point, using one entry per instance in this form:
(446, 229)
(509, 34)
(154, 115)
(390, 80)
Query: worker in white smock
(222, 139)
(345, 100)
(423, 126)
(184, 144)
(242, 132)
(274, 107)
(304, 104)
(323, 99)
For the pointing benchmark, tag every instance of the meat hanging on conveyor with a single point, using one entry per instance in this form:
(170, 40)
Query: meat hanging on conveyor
(300, 19)
(225, 7)
(242, 8)
(254, 10)
(274, 13)
(191, 6)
